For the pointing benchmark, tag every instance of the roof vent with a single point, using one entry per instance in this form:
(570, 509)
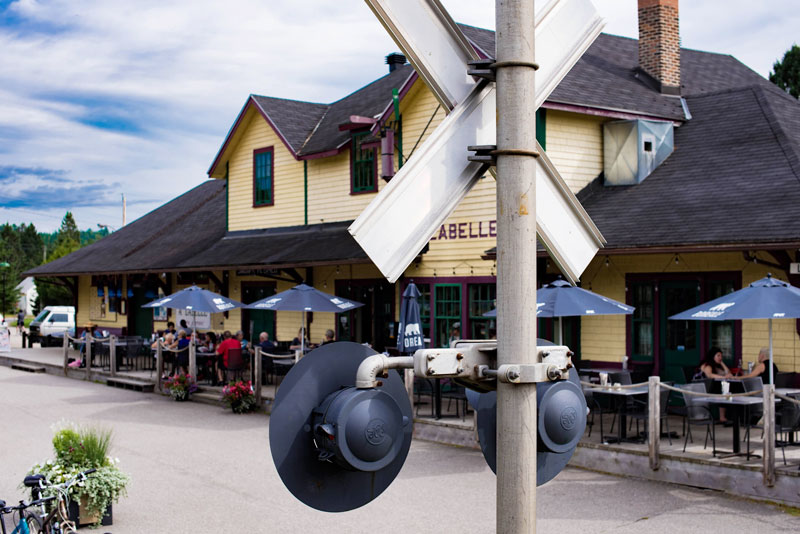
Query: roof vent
(395, 60)
(633, 149)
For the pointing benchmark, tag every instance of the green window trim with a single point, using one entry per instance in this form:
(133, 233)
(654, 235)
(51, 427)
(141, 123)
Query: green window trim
(541, 127)
(263, 181)
(363, 166)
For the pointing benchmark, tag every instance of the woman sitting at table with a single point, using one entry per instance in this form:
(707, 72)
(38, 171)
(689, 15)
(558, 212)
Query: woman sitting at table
(712, 366)
(209, 342)
(761, 368)
(300, 341)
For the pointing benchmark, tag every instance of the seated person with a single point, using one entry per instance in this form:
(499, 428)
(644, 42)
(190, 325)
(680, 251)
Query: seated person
(300, 341)
(328, 337)
(170, 329)
(265, 343)
(761, 368)
(209, 342)
(712, 366)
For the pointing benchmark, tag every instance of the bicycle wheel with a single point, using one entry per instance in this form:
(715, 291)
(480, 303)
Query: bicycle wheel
(34, 523)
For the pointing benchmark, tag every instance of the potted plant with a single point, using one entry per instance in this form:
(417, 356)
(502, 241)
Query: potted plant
(180, 386)
(78, 449)
(239, 396)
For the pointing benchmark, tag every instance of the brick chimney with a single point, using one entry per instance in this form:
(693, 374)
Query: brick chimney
(660, 44)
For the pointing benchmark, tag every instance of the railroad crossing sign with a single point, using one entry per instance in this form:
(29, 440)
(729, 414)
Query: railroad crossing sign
(398, 223)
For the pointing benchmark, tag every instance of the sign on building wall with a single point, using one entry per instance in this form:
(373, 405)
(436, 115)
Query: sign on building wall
(466, 230)
(202, 320)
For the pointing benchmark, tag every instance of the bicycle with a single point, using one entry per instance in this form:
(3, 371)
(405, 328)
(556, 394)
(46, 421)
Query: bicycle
(56, 520)
(27, 523)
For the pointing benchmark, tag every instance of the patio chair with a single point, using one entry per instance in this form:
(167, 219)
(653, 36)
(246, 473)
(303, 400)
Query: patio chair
(591, 403)
(697, 414)
(456, 392)
(236, 364)
(423, 386)
(787, 422)
(753, 414)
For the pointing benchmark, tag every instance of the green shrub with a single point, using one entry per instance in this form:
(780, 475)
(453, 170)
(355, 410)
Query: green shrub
(82, 447)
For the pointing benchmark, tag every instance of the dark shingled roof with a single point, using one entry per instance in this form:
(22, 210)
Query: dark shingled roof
(288, 246)
(189, 233)
(369, 101)
(606, 76)
(733, 179)
(293, 119)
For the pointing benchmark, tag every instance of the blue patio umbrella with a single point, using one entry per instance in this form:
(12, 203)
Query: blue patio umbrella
(195, 299)
(304, 298)
(562, 299)
(409, 332)
(767, 298)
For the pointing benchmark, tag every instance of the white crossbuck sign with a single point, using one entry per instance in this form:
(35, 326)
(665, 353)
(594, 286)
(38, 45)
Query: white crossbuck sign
(398, 223)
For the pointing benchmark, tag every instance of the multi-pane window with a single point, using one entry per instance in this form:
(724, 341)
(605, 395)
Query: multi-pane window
(643, 321)
(364, 164)
(447, 311)
(482, 299)
(721, 333)
(262, 177)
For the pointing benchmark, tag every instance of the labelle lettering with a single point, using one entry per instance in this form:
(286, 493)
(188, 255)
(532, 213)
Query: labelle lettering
(466, 230)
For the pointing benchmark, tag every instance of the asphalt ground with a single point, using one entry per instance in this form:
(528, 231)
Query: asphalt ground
(199, 468)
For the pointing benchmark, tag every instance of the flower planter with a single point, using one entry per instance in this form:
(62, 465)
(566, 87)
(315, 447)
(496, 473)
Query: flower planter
(81, 516)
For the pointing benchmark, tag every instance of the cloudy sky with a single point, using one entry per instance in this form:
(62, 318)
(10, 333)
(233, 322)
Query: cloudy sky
(101, 99)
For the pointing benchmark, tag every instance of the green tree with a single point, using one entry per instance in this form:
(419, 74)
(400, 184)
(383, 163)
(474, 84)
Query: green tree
(786, 73)
(10, 256)
(51, 291)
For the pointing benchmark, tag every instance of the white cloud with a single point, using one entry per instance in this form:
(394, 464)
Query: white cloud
(173, 74)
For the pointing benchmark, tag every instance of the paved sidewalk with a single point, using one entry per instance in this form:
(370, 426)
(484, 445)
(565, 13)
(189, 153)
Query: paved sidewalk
(199, 468)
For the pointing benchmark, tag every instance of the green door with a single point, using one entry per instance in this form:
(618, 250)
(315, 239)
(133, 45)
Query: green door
(140, 320)
(256, 321)
(680, 340)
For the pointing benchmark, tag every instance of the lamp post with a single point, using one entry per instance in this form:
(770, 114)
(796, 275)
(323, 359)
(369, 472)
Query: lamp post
(4, 266)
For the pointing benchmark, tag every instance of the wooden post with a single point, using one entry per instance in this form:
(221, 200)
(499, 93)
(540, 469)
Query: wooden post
(257, 374)
(654, 421)
(769, 434)
(66, 351)
(192, 359)
(516, 264)
(159, 366)
(408, 378)
(112, 354)
(89, 340)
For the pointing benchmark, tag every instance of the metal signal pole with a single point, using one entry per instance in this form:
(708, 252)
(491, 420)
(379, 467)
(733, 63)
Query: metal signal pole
(516, 263)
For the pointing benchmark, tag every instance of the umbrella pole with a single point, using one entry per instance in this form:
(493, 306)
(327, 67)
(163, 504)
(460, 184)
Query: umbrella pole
(560, 332)
(303, 336)
(771, 378)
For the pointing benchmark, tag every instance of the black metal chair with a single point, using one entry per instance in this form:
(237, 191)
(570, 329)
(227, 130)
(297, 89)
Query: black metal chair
(457, 393)
(753, 414)
(423, 386)
(641, 412)
(697, 414)
(787, 422)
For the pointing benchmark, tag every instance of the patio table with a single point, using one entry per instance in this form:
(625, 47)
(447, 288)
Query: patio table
(622, 395)
(736, 405)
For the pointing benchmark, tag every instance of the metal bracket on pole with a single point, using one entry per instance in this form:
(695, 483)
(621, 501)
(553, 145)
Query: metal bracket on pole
(475, 362)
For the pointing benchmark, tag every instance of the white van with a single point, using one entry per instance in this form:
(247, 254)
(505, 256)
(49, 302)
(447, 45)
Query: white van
(52, 322)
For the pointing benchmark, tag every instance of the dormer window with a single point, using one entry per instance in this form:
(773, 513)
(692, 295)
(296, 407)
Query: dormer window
(263, 194)
(363, 166)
